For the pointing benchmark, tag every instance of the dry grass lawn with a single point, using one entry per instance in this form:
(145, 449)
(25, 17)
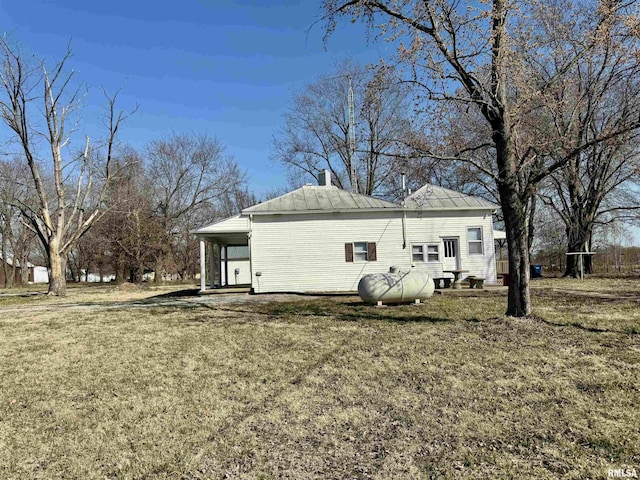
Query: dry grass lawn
(322, 388)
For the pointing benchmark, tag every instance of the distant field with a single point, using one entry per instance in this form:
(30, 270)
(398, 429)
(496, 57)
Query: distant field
(106, 383)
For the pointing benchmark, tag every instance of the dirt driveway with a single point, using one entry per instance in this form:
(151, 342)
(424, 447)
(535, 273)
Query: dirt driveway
(124, 300)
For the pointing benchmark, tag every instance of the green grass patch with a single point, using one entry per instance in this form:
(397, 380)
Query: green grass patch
(322, 388)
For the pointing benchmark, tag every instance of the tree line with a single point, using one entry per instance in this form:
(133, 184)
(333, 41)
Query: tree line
(105, 207)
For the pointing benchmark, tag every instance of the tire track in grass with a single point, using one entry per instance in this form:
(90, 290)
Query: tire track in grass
(296, 380)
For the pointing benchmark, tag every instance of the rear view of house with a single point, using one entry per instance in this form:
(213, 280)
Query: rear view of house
(324, 239)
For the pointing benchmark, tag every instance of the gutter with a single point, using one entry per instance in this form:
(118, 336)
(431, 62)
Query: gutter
(375, 210)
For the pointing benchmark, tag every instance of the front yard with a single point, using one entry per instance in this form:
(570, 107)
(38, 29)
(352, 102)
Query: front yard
(322, 388)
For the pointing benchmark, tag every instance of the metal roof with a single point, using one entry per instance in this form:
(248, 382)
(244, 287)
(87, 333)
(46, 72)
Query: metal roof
(311, 198)
(236, 223)
(431, 197)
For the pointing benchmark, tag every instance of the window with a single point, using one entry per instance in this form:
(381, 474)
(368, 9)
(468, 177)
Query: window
(450, 248)
(474, 239)
(360, 252)
(235, 252)
(433, 253)
(419, 251)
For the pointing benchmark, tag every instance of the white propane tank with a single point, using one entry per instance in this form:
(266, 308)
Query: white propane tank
(397, 286)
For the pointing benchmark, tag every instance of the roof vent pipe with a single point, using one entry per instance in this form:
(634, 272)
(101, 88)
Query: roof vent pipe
(324, 178)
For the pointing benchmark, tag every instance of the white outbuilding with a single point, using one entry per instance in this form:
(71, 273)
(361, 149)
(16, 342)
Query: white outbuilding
(324, 239)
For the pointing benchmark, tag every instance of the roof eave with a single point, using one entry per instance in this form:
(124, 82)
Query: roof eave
(452, 209)
(367, 210)
(326, 211)
(217, 232)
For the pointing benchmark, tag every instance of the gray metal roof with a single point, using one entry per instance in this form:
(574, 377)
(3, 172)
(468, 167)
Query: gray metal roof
(235, 223)
(312, 198)
(431, 197)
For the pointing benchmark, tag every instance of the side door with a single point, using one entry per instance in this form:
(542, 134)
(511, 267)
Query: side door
(451, 257)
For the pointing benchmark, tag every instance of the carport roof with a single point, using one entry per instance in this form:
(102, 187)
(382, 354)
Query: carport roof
(234, 224)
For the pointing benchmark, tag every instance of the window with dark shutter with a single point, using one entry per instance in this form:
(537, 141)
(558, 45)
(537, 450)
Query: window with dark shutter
(372, 253)
(348, 252)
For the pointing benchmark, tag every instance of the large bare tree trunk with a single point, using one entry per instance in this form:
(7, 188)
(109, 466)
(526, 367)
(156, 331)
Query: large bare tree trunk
(519, 299)
(515, 222)
(6, 270)
(577, 241)
(24, 269)
(58, 267)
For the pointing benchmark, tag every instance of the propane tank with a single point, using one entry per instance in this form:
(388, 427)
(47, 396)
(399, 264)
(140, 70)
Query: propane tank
(397, 286)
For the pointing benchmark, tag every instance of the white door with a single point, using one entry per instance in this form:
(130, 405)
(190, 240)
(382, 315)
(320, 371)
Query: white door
(451, 254)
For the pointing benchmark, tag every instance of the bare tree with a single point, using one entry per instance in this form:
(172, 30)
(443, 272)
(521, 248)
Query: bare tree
(154, 203)
(191, 177)
(317, 129)
(131, 233)
(16, 239)
(597, 185)
(483, 56)
(64, 212)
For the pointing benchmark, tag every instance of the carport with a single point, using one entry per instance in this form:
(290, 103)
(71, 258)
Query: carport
(225, 253)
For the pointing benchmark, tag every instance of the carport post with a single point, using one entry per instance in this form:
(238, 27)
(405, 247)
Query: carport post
(203, 266)
(212, 266)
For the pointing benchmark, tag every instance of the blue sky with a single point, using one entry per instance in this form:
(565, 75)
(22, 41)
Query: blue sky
(222, 67)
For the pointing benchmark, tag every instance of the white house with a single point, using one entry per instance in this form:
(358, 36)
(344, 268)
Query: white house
(324, 239)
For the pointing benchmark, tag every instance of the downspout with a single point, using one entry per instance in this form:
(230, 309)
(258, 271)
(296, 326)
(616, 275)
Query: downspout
(404, 214)
(404, 227)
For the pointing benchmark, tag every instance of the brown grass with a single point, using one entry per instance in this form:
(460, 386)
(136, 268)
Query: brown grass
(323, 388)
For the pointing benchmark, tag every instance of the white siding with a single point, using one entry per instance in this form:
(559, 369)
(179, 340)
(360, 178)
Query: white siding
(40, 275)
(244, 275)
(431, 229)
(305, 253)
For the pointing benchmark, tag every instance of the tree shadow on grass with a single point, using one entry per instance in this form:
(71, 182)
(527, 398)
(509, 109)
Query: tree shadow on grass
(187, 292)
(378, 317)
(579, 326)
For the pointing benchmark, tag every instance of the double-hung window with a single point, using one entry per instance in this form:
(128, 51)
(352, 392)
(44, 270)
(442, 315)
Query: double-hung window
(360, 252)
(474, 240)
(425, 252)
(433, 253)
(417, 253)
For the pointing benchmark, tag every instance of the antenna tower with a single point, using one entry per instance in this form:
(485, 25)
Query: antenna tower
(352, 140)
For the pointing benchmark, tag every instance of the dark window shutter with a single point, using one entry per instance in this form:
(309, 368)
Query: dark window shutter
(372, 253)
(348, 252)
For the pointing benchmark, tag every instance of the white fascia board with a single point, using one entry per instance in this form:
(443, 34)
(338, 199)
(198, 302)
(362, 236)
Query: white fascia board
(376, 210)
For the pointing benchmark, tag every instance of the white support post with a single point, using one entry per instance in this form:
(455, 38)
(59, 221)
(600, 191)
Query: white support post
(226, 266)
(212, 266)
(219, 247)
(203, 266)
